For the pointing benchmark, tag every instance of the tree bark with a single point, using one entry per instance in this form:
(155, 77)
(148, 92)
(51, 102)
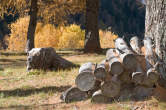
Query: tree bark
(92, 43)
(32, 26)
(156, 29)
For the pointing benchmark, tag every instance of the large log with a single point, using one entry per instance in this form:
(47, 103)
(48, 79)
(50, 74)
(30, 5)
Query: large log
(142, 92)
(85, 80)
(127, 56)
(115, 66)
(46, 58)
(151, 60)
(73, 94)
(111, 88)
(138, 76)
(98, 97)
(100, 72)
(125, 77)
(135, 44)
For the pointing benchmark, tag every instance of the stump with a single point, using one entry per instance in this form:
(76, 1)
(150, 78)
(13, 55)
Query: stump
(73, 94)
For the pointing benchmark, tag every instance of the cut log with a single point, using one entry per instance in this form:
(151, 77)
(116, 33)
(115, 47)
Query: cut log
(100, 72)
(96, 88)
(149, 53)
(142, 92)
(85, 81)
(152, 75)
(135, 44)
(138, 76)
(125, 77)
(46, 59)
(126, 55)
(111, 88)
(115, 66)
(73, 94)
(98, 97)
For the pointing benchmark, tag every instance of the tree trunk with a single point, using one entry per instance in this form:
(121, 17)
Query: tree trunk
(92, 43)
(156, 29)
(32, 26)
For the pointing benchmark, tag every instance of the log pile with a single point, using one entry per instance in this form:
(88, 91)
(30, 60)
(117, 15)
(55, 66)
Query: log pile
(126, 72)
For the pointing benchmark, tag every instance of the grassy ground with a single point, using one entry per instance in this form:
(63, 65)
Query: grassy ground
(38, 90)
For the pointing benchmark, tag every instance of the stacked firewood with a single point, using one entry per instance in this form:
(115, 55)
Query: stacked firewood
(126, 72)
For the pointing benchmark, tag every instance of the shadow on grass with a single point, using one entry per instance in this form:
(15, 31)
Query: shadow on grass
(26, 92)
(32, 107)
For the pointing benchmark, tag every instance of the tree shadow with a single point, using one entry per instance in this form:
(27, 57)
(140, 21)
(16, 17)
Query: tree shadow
(32, 107)
(26, 92)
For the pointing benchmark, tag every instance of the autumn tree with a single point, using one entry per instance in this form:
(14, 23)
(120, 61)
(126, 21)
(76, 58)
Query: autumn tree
(52, 11)
(156, 29)
(92, 42)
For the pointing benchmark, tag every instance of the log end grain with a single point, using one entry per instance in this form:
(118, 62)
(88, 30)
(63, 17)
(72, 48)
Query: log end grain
(85, 81)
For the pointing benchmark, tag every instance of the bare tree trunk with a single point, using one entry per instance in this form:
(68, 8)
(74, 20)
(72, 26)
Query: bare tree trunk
(32, 25)
(92, 43)
(156, 29)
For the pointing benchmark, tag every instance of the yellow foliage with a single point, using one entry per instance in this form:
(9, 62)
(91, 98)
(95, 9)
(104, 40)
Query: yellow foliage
(45, 36)
(107, 39)
(50, 36)
(72, 37)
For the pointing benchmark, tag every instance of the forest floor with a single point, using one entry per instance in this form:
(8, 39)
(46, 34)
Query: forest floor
(39, 90)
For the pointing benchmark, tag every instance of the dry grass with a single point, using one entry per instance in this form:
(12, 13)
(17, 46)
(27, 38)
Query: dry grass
(40, 90)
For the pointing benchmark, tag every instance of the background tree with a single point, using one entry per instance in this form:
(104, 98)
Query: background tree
(92, 42)
(156, 29)
(52, 11)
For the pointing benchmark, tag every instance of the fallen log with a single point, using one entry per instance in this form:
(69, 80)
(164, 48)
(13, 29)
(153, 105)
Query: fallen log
(98, 97)
(135, 44)
(85, 80)
(73, 94)
(115, 66)
(126, 55)
(46, 59)
(111, 88)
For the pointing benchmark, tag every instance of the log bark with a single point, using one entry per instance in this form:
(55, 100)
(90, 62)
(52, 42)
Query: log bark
(85, 81)
(98, 97)
(126, 55)
(115, 66)
(111, 88)
(73, 94)
(135, 44)
(100, 72)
